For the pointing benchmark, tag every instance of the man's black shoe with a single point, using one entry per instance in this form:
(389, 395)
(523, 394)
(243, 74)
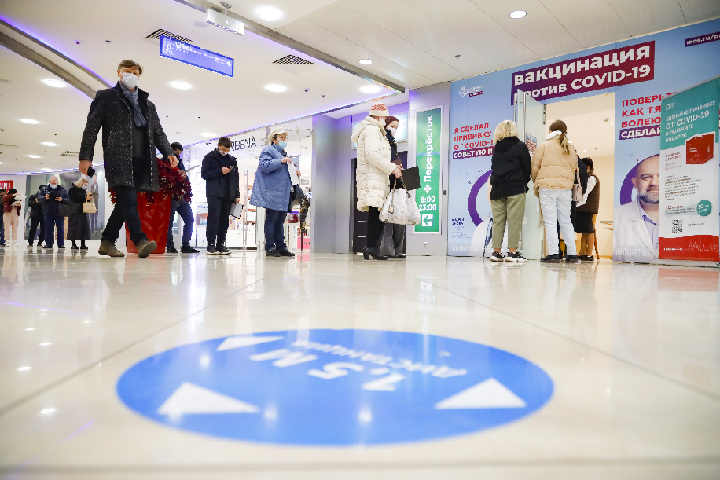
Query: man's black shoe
(171, 250)
(552, 258)
(211, 250)
(222, 250)
(273, 253)
(572, 259)
(286, 253)
(188, 249)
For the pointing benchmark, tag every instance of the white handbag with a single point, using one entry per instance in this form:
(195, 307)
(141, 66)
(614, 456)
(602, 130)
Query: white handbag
(400, 208)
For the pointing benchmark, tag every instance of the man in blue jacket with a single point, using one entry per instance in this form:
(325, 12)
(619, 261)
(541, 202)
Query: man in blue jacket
(52, 196)
(222, 187)
(271, 191)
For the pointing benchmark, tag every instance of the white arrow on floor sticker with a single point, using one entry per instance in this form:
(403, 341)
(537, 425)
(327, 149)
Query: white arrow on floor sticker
(190, 398)
(487, 394)
(245, 341)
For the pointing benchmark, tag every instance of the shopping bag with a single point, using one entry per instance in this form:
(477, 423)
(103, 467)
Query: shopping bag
(236, 210)
(89, 207)
(400, 208)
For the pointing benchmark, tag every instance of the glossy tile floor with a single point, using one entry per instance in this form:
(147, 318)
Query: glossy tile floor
(633, 352)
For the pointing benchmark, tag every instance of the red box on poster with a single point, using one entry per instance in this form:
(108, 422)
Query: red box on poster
(700, 149)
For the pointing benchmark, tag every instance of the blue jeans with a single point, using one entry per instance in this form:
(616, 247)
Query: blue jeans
(183, 208)
(274, 232)
(555, 204)
(50, 222)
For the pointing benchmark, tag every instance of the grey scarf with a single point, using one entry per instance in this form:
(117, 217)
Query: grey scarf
(133, 99)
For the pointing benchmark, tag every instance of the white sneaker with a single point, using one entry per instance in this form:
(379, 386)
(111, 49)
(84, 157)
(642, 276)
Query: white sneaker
(515, 257)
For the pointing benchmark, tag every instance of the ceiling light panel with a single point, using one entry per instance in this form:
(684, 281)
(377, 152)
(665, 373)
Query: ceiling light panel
(180, 85)
(276, 88)
(54, 82)
(269, 13)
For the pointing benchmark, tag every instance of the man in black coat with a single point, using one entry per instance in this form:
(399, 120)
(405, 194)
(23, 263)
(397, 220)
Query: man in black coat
(131, 133)
(222, 186)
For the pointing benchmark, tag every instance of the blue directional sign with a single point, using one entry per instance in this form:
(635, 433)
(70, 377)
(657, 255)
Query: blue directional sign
(334, 387)
(198, 57)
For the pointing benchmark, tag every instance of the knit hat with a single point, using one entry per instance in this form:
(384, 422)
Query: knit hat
(378, 109)
(273, 132)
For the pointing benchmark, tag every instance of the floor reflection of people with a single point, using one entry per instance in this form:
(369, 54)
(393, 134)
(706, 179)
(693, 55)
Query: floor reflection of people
(635, 226)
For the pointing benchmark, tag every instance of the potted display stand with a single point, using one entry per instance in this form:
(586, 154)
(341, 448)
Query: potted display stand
(154, 207)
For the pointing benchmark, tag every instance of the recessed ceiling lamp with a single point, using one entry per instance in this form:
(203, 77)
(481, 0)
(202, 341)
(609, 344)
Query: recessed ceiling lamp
(180, 85)
(366, 61)
(518, 14)
(276, 88)
(49, 144)
(210, 135)
(370, 89)
(34, 156)
(269, 13)
(31, 121)
(54, 82)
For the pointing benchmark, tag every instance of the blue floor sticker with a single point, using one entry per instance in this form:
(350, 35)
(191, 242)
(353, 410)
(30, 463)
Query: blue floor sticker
(334, 387)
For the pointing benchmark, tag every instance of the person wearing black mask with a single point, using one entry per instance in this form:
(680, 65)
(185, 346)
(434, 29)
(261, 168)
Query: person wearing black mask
(398, 231)
(222, 186)
(131, 134)
(183, 208)
(36, 218)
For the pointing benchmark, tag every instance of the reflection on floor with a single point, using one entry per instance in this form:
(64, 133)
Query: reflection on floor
(328, 366)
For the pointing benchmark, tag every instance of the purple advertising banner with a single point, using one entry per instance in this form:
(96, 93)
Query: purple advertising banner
(713, 37)
(619, 66)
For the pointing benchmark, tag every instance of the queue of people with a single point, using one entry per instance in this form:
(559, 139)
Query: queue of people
(132, 132)
(555, 169)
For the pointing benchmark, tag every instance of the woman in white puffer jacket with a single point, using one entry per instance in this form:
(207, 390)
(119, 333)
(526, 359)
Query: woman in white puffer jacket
(373, 168)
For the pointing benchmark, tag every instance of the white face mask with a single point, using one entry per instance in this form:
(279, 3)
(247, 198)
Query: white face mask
(393, 131)
(222, 153)
(130, 80)
(53, 186)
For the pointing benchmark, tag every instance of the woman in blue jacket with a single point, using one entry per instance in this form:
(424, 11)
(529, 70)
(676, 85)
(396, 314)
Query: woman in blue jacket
(271, 191)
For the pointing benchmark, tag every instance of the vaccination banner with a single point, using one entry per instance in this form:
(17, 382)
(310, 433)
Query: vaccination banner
(640, 72)
(690, 225)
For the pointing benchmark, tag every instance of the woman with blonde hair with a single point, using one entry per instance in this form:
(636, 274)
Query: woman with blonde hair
(510, 175)
(78, 222)
(553, 170)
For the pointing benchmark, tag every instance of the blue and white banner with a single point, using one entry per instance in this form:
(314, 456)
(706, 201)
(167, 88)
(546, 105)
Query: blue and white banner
(641, 72)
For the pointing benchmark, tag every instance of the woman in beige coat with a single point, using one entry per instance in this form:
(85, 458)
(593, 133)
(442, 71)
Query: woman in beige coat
(372, 174)
(553, 172)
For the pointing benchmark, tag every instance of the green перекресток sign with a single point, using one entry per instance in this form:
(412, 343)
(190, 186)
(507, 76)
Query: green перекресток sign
(429, 131)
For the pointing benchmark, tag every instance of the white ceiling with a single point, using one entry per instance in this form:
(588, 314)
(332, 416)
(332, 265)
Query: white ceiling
(413, 43)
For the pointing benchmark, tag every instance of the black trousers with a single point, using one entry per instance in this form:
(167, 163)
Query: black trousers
(218, 220)
(374, 228)
(34, 222)
(125, 211)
